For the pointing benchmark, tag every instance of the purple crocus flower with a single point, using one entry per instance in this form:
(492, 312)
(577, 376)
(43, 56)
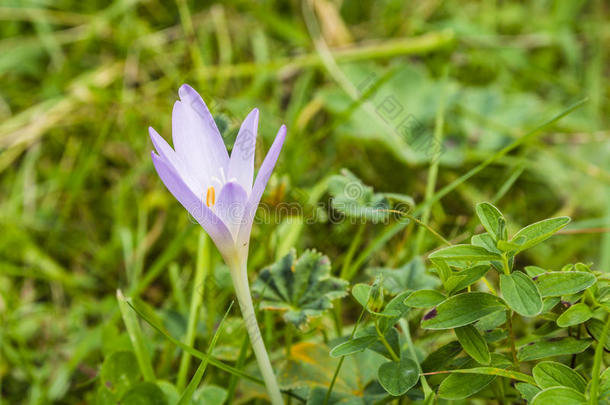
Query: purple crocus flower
(216, 189)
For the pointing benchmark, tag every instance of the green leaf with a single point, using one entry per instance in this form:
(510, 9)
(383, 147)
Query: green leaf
(104, 396)
(521, 293)
(361, 293)
(485, 241)
(549, 303)
(493, 320)
(397, 377)
(391, 337)
(189, 391)
(461, 309)
(464, 278)
(351, 197)
(210, 395)
(528, 391)
(553, 347)
(120, 371)
(424, 299)
(310, 365)
(534, 271)
(354, 345)
(303, 289)
(151, 319)
(559, 395)
(442, 269)
(441, 357)
(462, 383)
(461, 386)
(411, 276)
(537, 232)
(395, 306)
(595, 327)
(145, 393)
(552, 374)
(576, 314)
(468, 253)
(473, 343)
(557, 283)
(496, 371)
(137, 339)
(492, 220)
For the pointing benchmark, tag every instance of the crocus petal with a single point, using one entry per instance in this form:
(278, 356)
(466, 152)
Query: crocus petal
(259, 187)
(169, 155)
(196, 137)
(241, 165)
(230, 206)
(217, 230)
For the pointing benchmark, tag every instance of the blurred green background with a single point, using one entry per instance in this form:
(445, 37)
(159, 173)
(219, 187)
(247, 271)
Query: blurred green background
(82, 212)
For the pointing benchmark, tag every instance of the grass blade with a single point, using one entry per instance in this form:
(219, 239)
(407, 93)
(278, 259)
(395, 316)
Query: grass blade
(192, 386)
(135, 335)
(142, 312)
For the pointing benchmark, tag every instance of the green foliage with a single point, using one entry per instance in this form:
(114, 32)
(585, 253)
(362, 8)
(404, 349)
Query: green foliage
(552, 347)
(492, 220)
(574, 315)
(553, 284)
(473, 343)
(453, 103)
(397, 377)
(462, 309)
(302, 289)
(424, 299)
(354, 199)
(565, 395)
(521, 293)
(552, 374)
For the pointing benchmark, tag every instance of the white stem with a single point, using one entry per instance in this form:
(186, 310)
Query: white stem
(239, 274)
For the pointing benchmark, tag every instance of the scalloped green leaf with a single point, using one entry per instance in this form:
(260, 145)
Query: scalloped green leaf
(301, 288)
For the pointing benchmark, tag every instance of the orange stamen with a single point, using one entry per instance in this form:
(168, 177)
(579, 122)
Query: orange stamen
(210, 198)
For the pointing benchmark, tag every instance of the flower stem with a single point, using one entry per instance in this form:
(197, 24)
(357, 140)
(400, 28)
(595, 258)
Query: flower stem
(239, 274)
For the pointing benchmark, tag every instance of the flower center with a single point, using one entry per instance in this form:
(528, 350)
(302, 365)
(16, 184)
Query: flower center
(210, 197)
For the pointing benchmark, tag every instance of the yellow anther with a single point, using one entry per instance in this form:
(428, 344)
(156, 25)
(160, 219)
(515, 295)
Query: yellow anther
(210, 198)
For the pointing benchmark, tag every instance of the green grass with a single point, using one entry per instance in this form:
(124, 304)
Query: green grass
(82, 212)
